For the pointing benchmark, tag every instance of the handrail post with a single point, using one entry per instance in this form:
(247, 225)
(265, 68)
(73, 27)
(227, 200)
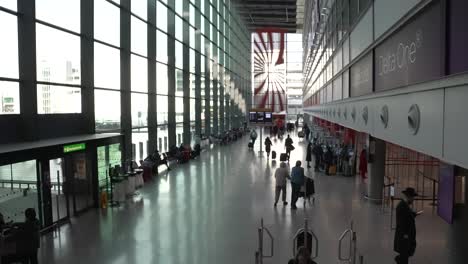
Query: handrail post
(260, 245)
(306, 234)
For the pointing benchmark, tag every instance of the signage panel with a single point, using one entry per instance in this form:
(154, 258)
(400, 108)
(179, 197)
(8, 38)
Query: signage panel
(361, 76)
(412, 54)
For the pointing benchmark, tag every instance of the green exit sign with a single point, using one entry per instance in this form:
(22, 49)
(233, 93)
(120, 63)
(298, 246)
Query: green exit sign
(74, 147)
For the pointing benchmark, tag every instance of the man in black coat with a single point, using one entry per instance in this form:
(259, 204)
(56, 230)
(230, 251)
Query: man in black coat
(405, 234)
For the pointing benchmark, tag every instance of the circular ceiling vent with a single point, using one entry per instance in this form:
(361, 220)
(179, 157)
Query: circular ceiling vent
(365, 114)
(384, 116)
(353, 114)
(414, 119)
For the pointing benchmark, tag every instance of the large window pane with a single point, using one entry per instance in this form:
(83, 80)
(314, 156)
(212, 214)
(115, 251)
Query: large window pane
(139, 110)
(139, 77)
(58, 99)
(107, 22)
(179, 133)
(139, 33)
(192, 110)
(58, 56)
(179, 84)
(163, 139)
(179, 102)
(179, 7)
(161, 16)
(140, 143)
(9, 98)
(179, 30)
(139, 8)
(161, 47)
(64, 14)
(106, 66)
(192, 60)
(107, 109)
(161, 79)
(179, 55)
(161, 109)
(9, 48)
(192, 85)
(10, 4)
(16, 178)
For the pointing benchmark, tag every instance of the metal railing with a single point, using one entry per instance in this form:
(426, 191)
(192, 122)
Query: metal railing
(352, 255)
(259, 254)
(306, 232)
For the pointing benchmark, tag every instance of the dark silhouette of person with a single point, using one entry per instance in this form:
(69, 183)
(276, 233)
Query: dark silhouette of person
(405, 233)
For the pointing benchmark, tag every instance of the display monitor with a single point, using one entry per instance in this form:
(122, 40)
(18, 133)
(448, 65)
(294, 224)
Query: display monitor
(268, 117)
(253, 117)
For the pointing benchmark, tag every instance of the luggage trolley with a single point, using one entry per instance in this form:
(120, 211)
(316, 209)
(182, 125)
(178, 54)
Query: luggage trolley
(308, 239)
(259, 255)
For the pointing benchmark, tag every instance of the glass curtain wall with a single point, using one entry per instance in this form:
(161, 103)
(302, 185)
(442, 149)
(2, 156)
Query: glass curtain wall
(211, 66)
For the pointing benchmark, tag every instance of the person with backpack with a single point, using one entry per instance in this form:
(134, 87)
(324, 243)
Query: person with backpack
(268, 144)
(289, 146)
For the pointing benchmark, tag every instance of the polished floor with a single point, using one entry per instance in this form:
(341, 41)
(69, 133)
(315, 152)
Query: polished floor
(208, 211)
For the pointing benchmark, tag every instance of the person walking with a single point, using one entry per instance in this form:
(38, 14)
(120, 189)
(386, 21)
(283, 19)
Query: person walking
(288, 144)
(405, 233)
(363, 164)
(318, 152)
(268, 144)
(306, 131)
(309, 154)
(297, 180)
(281, 174)
(253, 136)
(28, 238)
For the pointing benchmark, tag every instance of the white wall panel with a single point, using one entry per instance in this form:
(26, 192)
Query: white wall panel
(387, 13)
(346, 84)
(361, 37)
(456, 125)
(430, 134)
(337, 89)
(345, 52)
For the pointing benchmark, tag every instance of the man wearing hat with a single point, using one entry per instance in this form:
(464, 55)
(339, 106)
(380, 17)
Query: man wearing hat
(405, 234)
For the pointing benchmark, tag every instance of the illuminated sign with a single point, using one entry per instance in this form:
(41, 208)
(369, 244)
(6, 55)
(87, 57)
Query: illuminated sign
(74, 147)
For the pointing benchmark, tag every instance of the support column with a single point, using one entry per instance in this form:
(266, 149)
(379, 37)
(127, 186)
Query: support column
(27, 68)
(376, 168)
(207, 75)
(87, 64)
(125, 82)
(171, 116)
(198, 100)
(152, 115)
(186, 76)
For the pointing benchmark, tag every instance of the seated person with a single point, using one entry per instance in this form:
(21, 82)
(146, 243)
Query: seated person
(302, 257)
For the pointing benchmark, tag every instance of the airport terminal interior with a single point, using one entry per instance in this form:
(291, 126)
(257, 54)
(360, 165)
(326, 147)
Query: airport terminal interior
(233, 131)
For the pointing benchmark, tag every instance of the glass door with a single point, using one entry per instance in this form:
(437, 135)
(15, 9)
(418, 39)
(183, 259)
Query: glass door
(77, 172)
(59, 191)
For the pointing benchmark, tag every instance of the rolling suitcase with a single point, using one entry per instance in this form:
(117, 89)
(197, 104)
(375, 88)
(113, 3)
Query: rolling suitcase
(283, 157)
(273, 154)
(250, 145)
